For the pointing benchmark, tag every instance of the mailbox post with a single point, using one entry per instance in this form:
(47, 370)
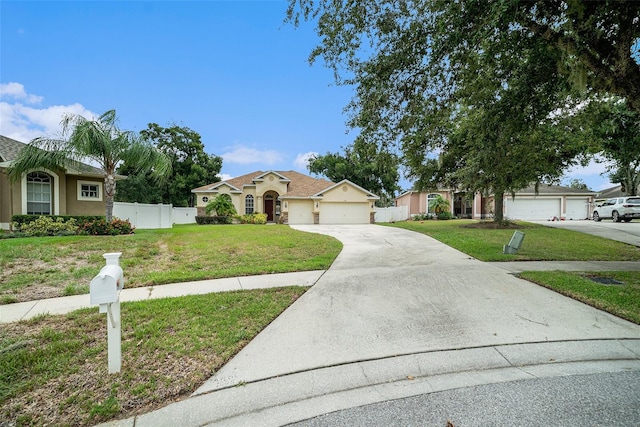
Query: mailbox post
(104, 291)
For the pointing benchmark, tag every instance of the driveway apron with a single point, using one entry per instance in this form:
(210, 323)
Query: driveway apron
(394, 292)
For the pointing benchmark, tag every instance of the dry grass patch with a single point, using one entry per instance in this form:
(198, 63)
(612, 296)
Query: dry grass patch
(53, 369)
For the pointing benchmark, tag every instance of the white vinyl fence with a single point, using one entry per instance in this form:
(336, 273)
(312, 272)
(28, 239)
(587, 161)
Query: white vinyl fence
(391, 214)
(143, 216)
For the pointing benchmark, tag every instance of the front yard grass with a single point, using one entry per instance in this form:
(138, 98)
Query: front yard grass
(45, 267)
(540, 243)
(53, 369)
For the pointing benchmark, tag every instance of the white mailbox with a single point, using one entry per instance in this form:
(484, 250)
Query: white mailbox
(104, 288)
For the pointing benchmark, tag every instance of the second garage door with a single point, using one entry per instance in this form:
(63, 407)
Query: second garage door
(534, 209)
(344, 213)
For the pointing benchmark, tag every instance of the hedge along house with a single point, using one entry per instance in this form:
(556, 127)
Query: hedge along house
(548, 202)
(290, 197)
(74, 190)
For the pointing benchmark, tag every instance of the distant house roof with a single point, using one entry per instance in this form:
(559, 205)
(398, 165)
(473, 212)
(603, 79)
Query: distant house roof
(612, 192)
(10, 148)
(299, 185)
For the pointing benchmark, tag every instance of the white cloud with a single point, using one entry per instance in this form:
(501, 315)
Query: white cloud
(302, 160)
(22, 122)
(225, 176)
(16, 91)
(246, 155)
(594, 175)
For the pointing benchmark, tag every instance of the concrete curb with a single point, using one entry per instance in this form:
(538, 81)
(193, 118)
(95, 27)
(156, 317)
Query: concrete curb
(303, 395)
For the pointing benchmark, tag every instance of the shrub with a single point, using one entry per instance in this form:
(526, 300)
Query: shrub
(254, 218)
(445, 215)
(46, 226)
(19, 220)
(100, 227)
(205, 220)
(221, 205)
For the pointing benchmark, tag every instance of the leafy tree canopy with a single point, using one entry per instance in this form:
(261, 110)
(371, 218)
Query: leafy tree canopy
(363, 164)
(614, 132)
(191, 168)
(476, 82)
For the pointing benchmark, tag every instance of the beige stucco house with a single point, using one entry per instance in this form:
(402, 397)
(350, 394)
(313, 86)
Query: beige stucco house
(76, 190)
(548, 202)
(290, 197)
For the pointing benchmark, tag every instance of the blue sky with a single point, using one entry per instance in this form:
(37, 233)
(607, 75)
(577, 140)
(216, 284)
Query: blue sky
(230, 70)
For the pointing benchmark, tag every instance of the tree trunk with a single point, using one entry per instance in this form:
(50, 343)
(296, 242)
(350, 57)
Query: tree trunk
(109, 193)
(498, 206)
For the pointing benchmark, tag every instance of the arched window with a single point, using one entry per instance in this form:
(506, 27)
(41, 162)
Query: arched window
(39, 185)
(248, 204)
(430, 198)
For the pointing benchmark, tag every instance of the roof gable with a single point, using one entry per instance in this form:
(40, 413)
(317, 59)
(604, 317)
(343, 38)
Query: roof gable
(369, 194)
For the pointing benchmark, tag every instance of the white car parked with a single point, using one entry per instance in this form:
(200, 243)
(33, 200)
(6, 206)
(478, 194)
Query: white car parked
(618, 209)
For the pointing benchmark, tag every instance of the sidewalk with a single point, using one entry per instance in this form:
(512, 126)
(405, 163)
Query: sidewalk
(61, 305)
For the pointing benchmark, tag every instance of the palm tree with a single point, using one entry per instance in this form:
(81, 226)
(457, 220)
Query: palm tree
(99, 141)
(439, 204)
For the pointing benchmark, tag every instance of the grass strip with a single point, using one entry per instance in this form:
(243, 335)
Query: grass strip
(622, 300)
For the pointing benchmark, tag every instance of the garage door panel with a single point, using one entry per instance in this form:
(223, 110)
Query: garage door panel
(577, 209)
(534, 209)
(300, 212)
(344, 213)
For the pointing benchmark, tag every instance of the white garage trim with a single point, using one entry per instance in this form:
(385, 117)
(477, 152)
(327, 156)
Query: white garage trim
(532, 208)
(345, 213)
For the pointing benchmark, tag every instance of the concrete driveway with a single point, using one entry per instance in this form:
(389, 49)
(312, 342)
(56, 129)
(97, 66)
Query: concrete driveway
(400, 314)
(626, 232)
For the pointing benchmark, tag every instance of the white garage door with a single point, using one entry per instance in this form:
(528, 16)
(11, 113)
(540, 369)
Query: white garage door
(532, 208)
(577, 209)
(300, 212)
(344, 213)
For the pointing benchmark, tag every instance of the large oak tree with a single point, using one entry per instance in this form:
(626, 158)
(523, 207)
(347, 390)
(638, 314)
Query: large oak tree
(434, 76)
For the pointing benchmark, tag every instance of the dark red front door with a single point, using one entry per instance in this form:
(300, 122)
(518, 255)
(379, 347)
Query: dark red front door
(268, 209)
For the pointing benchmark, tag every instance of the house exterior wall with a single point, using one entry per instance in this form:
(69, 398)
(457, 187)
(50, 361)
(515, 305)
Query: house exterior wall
(5, 201)
(82, 207)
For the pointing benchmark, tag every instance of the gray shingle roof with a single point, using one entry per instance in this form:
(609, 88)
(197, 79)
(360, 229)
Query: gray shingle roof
(299, 185)
(10, 148)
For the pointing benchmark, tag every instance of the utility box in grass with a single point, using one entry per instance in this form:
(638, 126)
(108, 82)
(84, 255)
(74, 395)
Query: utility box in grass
(514, 244)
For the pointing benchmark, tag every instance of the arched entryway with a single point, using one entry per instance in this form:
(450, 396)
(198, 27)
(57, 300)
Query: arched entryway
(271, 206)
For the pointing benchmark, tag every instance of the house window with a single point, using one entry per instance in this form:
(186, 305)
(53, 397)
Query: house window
(430, 198)
(89, 190)
(205, 199)
(39, 193)
(248, 204)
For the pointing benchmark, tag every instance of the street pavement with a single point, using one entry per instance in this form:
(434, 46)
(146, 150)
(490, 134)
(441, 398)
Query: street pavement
(625, 232)
(400, 318)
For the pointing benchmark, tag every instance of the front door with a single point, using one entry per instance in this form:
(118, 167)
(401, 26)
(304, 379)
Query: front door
(268, 209)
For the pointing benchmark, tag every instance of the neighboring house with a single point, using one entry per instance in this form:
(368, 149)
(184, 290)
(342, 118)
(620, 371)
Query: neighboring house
(76, 190)
(612, 192)
(549, 202)
(293, 198)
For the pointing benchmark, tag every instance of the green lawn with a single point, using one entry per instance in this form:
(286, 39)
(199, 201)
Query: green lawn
(41, 267)
(540, 243)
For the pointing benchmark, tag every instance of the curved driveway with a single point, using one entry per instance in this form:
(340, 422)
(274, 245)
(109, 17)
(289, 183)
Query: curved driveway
(400, 314)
